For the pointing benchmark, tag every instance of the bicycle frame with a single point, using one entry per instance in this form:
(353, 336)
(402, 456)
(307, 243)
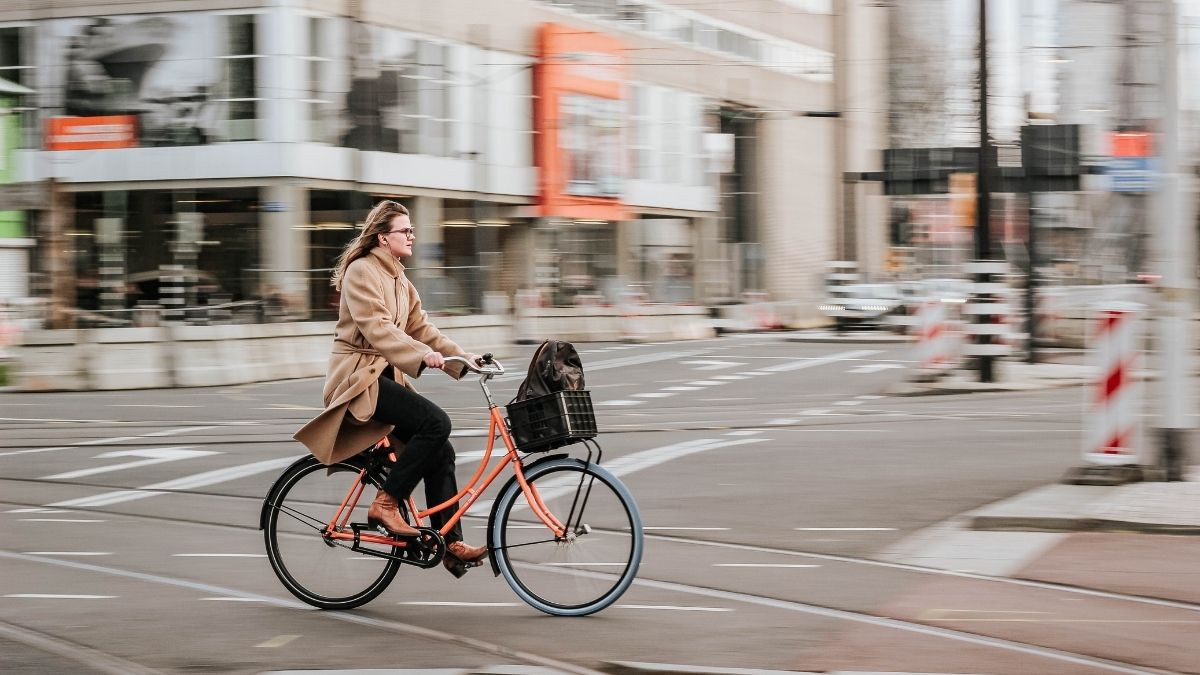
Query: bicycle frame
(468, 495)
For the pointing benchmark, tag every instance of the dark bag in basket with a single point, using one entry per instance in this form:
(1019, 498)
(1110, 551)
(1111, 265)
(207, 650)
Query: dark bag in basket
(555, 366)
(551, 408)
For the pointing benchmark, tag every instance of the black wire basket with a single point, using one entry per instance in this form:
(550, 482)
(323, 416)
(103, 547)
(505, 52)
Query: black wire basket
(552, 421)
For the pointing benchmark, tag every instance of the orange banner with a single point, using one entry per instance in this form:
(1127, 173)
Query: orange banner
(91, 133)
(579, 115)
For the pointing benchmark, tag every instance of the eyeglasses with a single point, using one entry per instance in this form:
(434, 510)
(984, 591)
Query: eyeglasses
(406, 231)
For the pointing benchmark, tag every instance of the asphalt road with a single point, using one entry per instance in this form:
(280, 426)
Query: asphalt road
(776, 479)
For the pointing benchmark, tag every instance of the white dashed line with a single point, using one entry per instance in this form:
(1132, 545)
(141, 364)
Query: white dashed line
(765, 565)
(780, 422)
(744, 432)
(59, 596)
(845, 529)
(848, 403)
(655, 394)
(705, 383)
(218, 555)
(620, 402)
(60, 520)
(675, 608)
(681, 388)
(68, 553)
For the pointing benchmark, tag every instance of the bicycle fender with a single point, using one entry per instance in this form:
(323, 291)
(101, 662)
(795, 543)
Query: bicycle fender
(496, 505)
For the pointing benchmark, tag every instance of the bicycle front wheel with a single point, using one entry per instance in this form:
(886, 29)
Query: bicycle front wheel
(321, 571)
(594, 563)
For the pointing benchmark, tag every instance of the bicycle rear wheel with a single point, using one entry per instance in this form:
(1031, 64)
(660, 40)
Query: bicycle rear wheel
(585, 571)
(322, 572)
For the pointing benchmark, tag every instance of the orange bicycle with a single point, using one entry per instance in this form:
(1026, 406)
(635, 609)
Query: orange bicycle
(564, 532)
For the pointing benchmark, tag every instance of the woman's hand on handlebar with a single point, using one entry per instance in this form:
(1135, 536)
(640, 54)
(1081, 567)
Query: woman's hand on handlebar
(434, 360)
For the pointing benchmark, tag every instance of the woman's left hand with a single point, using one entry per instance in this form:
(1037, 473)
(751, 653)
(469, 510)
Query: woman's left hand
(435, 360)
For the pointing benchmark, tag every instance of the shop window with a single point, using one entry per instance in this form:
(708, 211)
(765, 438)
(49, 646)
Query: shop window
(318, 64)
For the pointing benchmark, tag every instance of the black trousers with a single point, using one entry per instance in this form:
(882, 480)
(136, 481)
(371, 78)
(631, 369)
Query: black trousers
(424, 428)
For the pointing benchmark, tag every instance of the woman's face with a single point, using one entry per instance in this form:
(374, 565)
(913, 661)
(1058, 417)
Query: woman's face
(398, 239)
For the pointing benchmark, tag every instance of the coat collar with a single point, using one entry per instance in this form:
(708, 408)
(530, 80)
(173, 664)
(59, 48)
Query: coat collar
(390, 264)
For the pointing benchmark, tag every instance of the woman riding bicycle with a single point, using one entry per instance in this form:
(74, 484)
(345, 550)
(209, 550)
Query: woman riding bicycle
(383, 335)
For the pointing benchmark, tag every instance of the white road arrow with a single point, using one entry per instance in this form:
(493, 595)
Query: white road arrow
(712, 364)
(152, 455)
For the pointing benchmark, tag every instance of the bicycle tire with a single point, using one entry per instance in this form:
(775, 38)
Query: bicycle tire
(575, 577)
(300, 556)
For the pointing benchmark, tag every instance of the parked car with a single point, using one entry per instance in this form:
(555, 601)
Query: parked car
(866, 305)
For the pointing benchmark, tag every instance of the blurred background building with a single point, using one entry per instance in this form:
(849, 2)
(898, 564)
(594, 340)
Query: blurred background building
(189, 153)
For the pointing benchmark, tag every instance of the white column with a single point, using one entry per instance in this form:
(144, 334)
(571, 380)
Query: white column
(284, 244)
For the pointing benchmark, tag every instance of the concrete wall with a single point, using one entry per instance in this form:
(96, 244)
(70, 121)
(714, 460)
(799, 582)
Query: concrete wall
(206, 356)
(203, 356)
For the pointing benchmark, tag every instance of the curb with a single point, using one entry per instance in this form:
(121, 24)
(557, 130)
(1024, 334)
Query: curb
(1059, 524)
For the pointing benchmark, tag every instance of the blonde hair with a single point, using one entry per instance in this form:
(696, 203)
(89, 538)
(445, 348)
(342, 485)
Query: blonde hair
(378, 221)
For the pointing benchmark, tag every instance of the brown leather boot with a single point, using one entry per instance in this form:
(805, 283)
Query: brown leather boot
(461, 557)
(385, 511)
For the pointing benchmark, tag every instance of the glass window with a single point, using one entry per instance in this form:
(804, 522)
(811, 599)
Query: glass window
(240, 96)
(16, 65)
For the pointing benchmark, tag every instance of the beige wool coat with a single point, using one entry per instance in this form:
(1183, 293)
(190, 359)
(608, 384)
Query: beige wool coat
(380, 322)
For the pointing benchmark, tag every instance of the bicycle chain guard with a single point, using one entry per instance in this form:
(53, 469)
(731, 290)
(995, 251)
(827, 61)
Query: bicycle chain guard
(424, 550)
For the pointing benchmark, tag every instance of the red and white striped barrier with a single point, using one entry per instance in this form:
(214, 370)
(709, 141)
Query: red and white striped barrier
(1111, 423)
(937, 337)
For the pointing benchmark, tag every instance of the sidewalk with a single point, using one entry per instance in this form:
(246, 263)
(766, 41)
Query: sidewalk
(1010, 376)
(1150, 507)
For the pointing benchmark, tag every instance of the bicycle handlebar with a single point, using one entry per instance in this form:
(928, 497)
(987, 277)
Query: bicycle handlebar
(495, 367)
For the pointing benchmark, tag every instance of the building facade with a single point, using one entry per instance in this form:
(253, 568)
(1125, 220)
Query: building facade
(576, 152)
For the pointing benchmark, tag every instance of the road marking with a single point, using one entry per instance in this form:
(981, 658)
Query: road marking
(874, 367)
(675, 608)
(712, 364)
(782, 422)
(218, 555)
(730, 377)
(59, 596)
(71, 553)
(820, 361)
(468, 433)
(585, 564)
(655, 394)
(626, 465)
(681, 388)
(702, 529)
(234, 599)
(106, 441)
(705, 383)
(36, 510)
(185, 483)
(845, 529)
(450, 603)
(175, 432)
(643, 358)
(152, 455)
(848, 403)
(780, 565)
(149, 405)
(868, 397)
(744, 432)
(60, 520)
(620, 402)
(277, 641)
(437, 635)
(1021, 616)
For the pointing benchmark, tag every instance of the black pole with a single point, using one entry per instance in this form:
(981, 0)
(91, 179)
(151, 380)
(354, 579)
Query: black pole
(983, 239)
